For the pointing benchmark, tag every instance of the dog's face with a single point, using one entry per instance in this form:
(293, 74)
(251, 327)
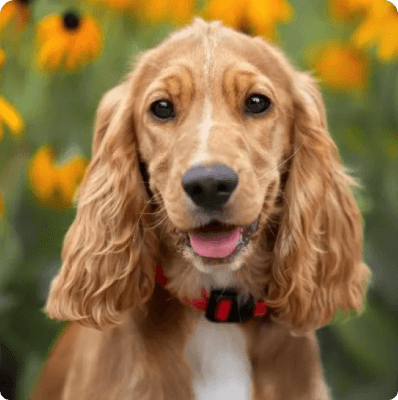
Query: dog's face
(213, 129)
(243, 176)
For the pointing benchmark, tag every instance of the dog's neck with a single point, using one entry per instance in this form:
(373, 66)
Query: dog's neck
(222, 304)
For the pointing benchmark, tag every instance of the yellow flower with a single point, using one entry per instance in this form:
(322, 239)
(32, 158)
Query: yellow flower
(380, 27)
(346, 9)
(17, 11)
(10, 117)
(158, 10)
(68, 40)
(42, 175)
(69, 177)
(54, 186)
(341, 66)
(259, 15)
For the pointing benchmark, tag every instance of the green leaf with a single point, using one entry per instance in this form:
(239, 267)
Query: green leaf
(372, 339)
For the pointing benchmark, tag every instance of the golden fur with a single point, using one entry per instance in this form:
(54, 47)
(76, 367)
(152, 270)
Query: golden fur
(304, 260)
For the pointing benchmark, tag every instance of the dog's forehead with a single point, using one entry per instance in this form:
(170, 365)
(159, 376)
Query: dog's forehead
(204, 53)
(211, 47)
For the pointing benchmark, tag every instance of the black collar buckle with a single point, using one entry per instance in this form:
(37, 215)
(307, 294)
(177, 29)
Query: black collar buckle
(223, 306)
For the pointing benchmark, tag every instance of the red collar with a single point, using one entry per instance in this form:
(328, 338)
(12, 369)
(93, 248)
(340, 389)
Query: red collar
(220, 305)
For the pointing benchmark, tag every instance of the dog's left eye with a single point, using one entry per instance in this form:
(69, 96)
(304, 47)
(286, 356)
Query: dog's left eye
(162, 109)
(257, 104)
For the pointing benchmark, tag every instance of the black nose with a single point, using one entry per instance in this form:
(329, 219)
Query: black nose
(210, 187)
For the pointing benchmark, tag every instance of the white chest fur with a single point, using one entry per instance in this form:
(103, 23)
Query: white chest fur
(219, 362)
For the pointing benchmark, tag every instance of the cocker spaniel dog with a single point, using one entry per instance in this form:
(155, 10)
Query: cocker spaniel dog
(215, 232)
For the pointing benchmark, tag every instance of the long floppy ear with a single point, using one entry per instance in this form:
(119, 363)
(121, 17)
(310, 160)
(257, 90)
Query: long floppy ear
(108, 255)
(318, 266)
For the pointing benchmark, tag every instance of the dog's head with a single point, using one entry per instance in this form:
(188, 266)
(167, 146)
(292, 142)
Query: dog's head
(215, 149)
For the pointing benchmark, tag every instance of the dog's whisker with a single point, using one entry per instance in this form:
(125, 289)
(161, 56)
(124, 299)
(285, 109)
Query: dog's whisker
(160, 221)
(279, 165)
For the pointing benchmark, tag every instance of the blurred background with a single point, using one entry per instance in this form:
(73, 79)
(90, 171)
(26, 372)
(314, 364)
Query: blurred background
(56, 60)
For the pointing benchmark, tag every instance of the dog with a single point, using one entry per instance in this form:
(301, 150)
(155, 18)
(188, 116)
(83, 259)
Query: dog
(215, 232)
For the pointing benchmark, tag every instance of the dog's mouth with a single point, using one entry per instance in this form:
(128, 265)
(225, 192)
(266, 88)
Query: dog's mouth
(220, 243)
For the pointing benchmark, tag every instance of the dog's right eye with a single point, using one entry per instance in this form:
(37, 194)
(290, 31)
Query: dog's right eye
(163, 109)
(257, 104)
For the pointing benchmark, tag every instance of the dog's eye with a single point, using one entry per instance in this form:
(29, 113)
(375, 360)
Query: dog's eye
(257, 104)
(162, 109)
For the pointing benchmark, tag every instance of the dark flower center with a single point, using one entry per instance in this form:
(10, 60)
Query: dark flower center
(245, 27)
(71, 20)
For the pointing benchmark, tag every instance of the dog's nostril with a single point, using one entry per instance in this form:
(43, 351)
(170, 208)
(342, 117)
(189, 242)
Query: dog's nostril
(197, 190)
(222, 189)
(210, 187)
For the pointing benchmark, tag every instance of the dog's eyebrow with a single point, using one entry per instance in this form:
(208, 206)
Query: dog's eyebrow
(243, 79)
(174, 81)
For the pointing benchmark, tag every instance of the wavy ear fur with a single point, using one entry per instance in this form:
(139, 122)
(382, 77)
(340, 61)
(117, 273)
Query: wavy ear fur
(318, 266)
(108, 255)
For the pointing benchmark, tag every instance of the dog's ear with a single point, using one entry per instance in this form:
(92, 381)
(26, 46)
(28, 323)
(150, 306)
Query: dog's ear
(108, 254)
(318, 266)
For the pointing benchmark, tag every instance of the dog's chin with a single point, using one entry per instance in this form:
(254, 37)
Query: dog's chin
(215, 261)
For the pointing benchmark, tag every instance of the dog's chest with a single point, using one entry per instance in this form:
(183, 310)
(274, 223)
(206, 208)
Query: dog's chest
(217, 355)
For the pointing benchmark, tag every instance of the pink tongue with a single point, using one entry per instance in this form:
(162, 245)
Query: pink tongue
(216, 245)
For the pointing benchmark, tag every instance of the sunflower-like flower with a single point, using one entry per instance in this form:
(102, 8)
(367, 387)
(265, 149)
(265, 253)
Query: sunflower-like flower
(379, 25)
(17, 11)
(259, 16)
(54, 186)
(11, 117)
(341, 66)
(68, 40)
